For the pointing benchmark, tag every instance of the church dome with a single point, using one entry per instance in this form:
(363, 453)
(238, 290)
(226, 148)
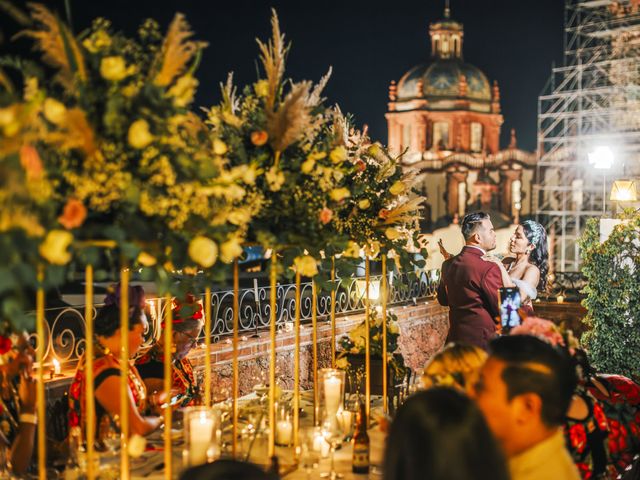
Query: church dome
(441, 80)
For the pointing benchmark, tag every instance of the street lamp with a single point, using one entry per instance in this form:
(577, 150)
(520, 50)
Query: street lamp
(623, 191)
(601, 158)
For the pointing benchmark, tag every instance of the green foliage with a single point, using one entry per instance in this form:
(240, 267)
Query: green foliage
(612, 300)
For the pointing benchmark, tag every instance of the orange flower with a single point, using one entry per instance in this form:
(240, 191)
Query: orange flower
(30, 161)
(73, 215)
(361, 166)
(259, 137)
(326, 214)
(383, 213)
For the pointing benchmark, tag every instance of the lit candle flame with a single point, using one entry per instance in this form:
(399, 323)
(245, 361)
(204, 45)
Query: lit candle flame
(56, 366)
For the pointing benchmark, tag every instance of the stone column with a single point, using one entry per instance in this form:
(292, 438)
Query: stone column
(453, 179)
(507, 177)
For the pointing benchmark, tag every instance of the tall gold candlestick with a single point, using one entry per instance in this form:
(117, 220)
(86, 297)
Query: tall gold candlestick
(40, 393)
(124, 373)
(272, 363)
(333, 312)
(314, 348)
(236, 327)
(88, 355)
(296, 368)
(383, 294)
(168, 383)
(207, 344)
(367, 343)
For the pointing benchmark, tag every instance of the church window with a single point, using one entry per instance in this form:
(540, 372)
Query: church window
(516, 196)
(476, 137)
(462, 198)
(441, 135)
(406, 136)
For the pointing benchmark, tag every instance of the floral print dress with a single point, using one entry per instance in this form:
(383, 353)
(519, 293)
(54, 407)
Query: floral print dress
(622, 409)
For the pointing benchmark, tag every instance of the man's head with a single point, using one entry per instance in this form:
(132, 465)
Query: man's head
(478, 231)
(524, 390)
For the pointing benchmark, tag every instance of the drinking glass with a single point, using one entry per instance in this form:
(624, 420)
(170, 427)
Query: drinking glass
(310, 449)
(331, 395)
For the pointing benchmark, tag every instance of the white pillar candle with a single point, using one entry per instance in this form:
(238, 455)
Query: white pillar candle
(320, 445)
(332, 390)
(284, 429)
(200, 432)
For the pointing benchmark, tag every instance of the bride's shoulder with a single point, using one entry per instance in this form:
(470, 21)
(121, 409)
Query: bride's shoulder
(532, 269)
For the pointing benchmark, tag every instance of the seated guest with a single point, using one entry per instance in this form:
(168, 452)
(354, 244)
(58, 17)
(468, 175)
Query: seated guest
(619, 397)
(440, 434)
(524, 390)
(187, 324)
(586, 428)
(18, 407)
(106, 370)
(456, 365)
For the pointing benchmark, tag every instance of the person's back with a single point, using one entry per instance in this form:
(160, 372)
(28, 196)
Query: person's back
(440, 434)
(469, 285)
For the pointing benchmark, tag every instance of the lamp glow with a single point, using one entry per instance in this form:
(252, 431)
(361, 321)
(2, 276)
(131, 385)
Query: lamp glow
(624, 191)
(601, 158)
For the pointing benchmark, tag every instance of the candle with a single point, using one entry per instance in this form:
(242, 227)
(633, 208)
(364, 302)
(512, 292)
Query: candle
(200, 431)
(284, 429)
(56, 366)
(344, 418)
(332, 391)
(560, 299)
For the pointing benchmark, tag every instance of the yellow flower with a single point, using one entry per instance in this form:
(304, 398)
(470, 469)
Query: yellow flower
(262, 88)
(364, 204)
(339, 194)
(230, 250)
(231, 119)
(307, 166)
(54, 111)
(7, 115)
(203, 251)
(305, 265)
(249, 175)
(338, 154)
(55, 245)
(146, 260)
(183, 90)
(352, 250)
(139, 134)
(275, 179)
(137, 445)
(97, 41)
(397, 188)
(219, 147)
(342, 363)
(113, 68)
(239, 216)
(392, 233)
(374, 150)
(393, 327)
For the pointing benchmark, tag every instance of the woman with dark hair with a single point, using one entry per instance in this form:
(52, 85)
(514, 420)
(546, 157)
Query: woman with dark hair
(107, 369)
(187, 324)
(528, 268)
(440, 434)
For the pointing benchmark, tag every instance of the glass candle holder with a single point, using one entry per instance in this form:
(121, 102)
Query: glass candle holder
(284, 425)
(200, 434)
(331, 391)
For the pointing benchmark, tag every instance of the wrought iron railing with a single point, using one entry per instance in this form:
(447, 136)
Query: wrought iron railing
(65, 340)
(567, 285)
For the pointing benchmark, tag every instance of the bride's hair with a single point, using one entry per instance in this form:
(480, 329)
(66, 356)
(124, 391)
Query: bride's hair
(539, 256)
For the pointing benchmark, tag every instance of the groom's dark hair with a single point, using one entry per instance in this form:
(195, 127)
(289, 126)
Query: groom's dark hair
(471, 222)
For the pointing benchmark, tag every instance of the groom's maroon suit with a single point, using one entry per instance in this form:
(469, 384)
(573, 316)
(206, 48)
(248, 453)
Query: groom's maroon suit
(469, 287)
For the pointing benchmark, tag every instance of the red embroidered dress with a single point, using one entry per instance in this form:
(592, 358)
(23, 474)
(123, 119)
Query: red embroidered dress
(151, 365)
(103, 367)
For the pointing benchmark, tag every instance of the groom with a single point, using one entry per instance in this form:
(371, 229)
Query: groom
(469, 285)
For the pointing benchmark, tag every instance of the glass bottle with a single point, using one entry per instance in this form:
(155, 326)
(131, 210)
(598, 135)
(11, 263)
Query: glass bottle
(72, 470)
(361, 442)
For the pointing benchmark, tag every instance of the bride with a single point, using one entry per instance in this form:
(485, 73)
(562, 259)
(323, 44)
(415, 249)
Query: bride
(528, 265)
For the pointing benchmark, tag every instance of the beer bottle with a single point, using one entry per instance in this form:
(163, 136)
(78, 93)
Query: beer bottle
(361, 442)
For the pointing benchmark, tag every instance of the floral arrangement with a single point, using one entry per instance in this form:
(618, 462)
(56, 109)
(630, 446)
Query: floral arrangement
(547, 331)
(131, 162)
(354, 342)
(382, 212)
(281, 131)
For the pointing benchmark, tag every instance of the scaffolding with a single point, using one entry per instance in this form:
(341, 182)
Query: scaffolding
(591, 101)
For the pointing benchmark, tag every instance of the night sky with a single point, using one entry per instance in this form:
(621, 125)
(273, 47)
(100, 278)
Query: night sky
(368, 43)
